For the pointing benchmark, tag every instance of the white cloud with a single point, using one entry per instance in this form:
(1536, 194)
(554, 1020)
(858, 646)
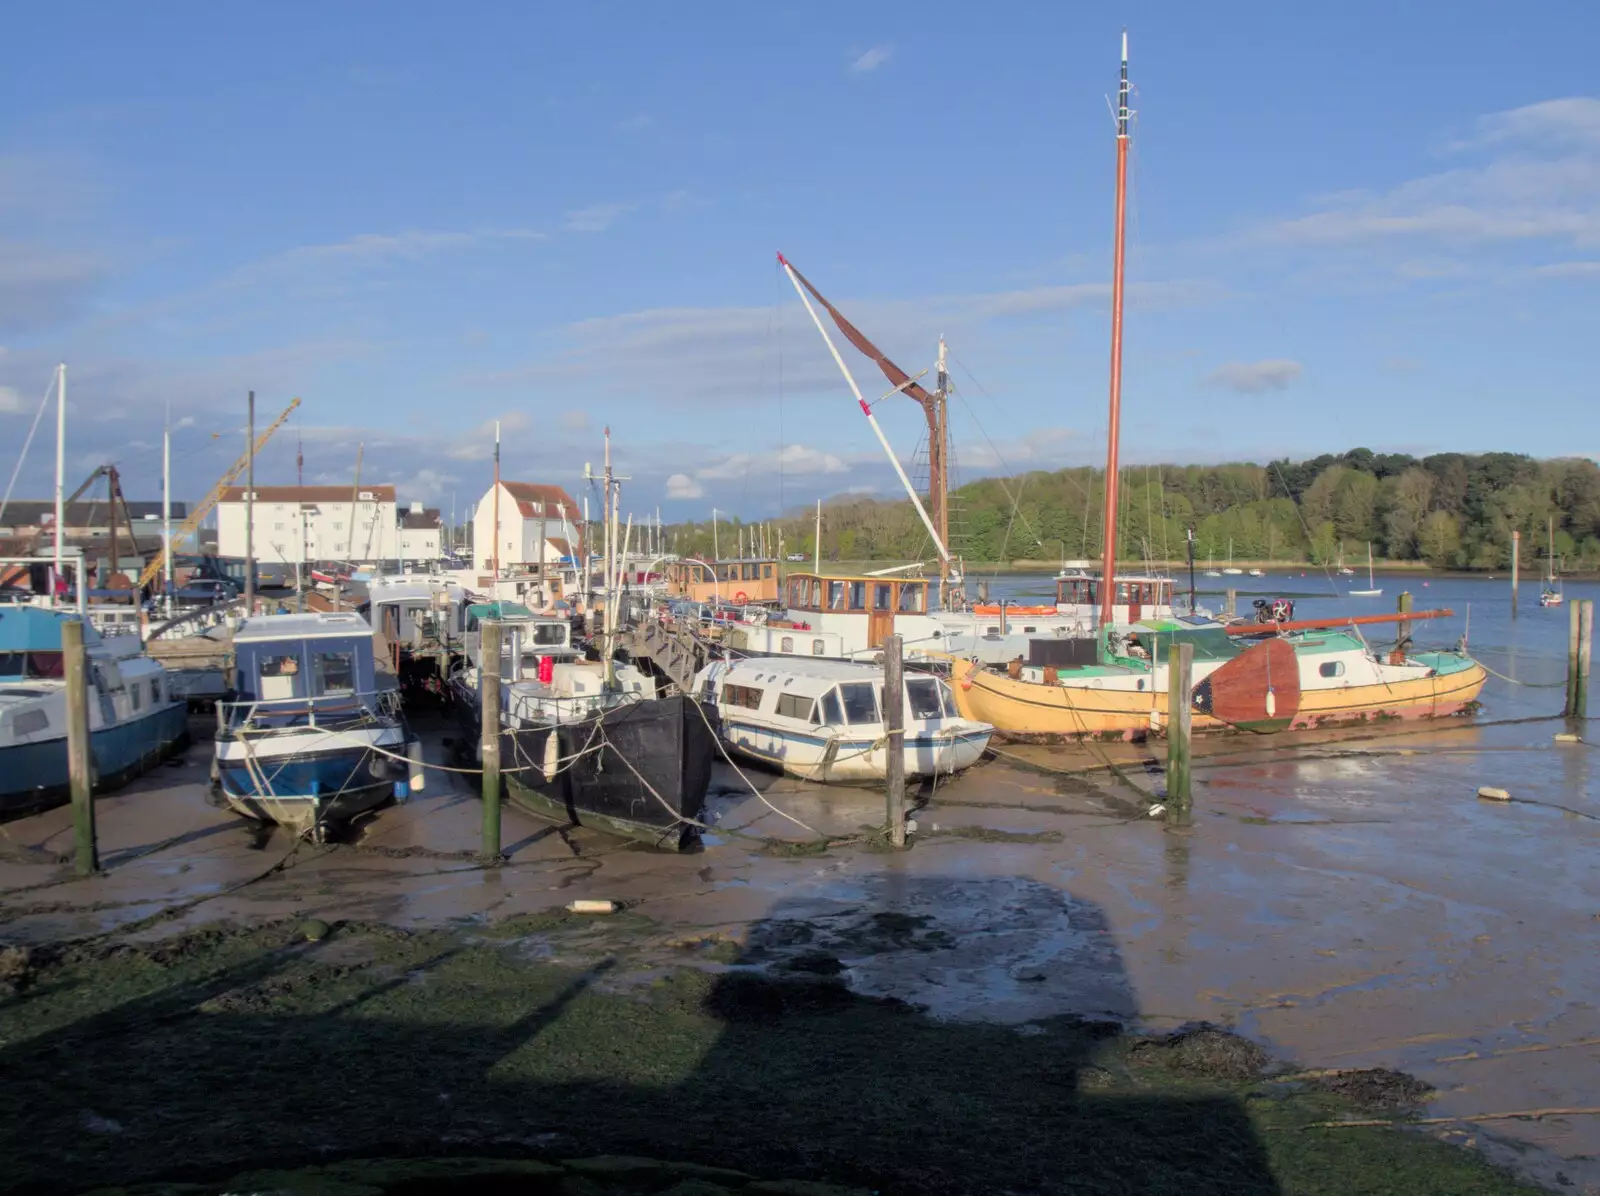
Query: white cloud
(791, 459)
(1575, 118)
(10, 401)
(1253, 377)
(412, 245)
(1568, 270)
(575, 421)
(860, 64)
(596, 218)
(681, 485)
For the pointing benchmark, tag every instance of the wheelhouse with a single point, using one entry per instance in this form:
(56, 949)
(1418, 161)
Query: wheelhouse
(746, 582)
(303, 667)
(878, 600)
(1141, 595)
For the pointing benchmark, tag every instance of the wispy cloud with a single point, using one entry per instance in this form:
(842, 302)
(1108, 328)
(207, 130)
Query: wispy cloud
(41, 287)
(10, 401)
(871, 60)
(681, 485)
(1585, 269)
(596, 218)
(411, 245)
(638, 123)
(1253, 377)
(791, 459)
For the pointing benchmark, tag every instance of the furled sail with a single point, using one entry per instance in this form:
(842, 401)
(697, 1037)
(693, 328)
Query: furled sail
(898, 378)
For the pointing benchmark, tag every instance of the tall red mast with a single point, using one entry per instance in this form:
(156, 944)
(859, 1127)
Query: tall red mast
(1108, 567)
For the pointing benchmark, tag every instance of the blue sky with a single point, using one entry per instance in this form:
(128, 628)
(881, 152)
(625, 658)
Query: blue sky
(1363, 223)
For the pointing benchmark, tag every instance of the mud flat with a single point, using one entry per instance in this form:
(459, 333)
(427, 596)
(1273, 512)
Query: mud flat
(1008, 1006)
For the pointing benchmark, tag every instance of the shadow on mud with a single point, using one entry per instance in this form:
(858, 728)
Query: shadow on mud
(225, 1050)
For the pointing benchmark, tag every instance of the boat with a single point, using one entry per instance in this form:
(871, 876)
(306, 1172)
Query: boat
(1372, 590)
(1230, 569)
(820, 719)
(1211, 567)
(306, 737)
(737, 582)
(1257, 572)
(135, 721)
(1550, 594)
(588, 742)
(1114, 683)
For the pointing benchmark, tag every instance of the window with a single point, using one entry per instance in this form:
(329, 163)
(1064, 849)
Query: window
(786, 644)
(795, 706)
(922, 698)
(135, 698)
(858, 595)
(1331, 668)
(278, 527)
(766, 572)
(708, 692)
(338, 525)
(30, 722)
(860, 702)
(948, 697)
(748, 696)
(992, 631)
(911, 599)
(829, 708)
(32, 664)
(1029, 630)
(836, 595)
(549, 634)
(882, 595)
(336, 674)
(280, 677)
(817, 648)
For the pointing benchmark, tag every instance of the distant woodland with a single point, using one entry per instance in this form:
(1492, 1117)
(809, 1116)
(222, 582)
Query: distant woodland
(1449, 510)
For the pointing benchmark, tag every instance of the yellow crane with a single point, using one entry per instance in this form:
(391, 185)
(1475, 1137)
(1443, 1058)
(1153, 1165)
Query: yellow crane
(153, 569)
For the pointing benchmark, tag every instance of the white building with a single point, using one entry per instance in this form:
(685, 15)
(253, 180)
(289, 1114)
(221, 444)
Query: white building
(421, 535)
(311, 523)
(527, 512)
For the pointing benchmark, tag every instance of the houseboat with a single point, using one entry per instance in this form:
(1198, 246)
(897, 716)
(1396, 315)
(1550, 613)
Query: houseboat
(135, 721)
(746, 582)
(306, 737)
(821, 719)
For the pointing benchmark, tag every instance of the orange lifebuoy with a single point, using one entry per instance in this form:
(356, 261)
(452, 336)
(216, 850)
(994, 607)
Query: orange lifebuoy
(741, 597)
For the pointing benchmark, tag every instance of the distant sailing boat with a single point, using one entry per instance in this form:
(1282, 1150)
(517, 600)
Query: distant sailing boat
(1371, 591)
(1211, 566)
(1344, 570)
(1230, 569)
(1551, 595)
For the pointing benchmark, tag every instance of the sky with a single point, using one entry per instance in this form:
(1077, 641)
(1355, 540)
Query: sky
(1362, 223)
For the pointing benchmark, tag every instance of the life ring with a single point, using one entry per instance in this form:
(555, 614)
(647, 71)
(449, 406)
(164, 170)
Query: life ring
(741, 598)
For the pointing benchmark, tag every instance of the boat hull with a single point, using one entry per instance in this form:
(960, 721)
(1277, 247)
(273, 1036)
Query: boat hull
(1028, 712)
(843, 760)
(33, 776)
(639, 771)
(305, 781)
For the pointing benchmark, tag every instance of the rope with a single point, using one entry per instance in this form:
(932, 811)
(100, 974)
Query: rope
(26, 444)
(1526, 684)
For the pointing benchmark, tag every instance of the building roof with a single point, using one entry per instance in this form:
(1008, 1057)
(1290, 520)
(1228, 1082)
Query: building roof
(422, 520)
(554, 499)
(29, 512)
(329, 494)
(300, 626)
(562, 546)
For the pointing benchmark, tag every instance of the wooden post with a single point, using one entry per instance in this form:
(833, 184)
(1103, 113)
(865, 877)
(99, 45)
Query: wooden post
(489, 730)
(80, 762)
(1574, 643)
(1180, 703)
(1580, 705)
(894, 724)
(1403, 628)
(1516, 553)
(1231, 605)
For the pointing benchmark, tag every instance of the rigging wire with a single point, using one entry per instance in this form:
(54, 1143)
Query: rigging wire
(23, 455)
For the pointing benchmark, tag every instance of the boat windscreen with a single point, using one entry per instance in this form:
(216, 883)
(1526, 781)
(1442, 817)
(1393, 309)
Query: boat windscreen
(1210, 643)
(860, 702)
(922, 698)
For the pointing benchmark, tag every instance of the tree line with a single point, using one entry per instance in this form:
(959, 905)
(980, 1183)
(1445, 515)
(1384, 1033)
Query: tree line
(1449, 510)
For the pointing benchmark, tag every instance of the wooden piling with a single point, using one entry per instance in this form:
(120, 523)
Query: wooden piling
(1580, 705)
(1403, 628)
(894, 724)
(1516, 553)
(1180, 703)
(1230, 604)
(1574, 645)
(489, 731)
(80, 761)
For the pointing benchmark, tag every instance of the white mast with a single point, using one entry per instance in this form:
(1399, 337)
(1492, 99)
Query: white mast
(817, 565)
(166, 508)
(867, 411)
(61, 468)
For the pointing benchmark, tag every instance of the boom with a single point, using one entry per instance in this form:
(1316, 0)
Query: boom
(203, 508)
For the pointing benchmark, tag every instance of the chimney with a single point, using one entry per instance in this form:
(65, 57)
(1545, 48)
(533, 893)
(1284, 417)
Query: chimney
(416, 508)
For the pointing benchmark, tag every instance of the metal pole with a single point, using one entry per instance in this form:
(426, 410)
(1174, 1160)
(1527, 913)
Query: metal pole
(80, 764)
(489, 732)
(250, 512)
(61, 469)
(166, 512)
(1180, 702)
(817, 546)
(894, 724)
(1516, 554)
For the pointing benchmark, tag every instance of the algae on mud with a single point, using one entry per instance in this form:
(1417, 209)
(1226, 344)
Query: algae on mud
(199, 1057)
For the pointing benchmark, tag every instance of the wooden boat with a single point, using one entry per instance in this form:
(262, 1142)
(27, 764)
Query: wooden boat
(752, 582)
(820, 719)
(307, 738)
(135, 720)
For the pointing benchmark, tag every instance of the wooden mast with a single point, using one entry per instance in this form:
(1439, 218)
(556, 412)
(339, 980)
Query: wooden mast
(1108, 568)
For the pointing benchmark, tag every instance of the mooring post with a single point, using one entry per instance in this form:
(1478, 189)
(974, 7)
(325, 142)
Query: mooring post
(80, 764)
(1574, 643)
(1516, 553)
(894, 724)
(1580, 705)
(489, 730)
(1403, 628)
(1230, 605)
(1180, 702)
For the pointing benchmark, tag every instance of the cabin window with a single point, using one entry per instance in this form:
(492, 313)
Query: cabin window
(766, 572)
(1029, 630)
(817, 648)
(786, 644)
(992, 631)
(1331, 668)
(747, 573)
(795, 706)
(708, 691)
(836, 595)
(135, 698)
(748, 696)
(816, 594)
(922, 698)
(858, 595)
(912, 599)
(882, 596)
(832, 714)
(336, 674)
(549, 635)
(281, 677)
(30, 722)
(948, 697)
(32, 664)
(860, 702)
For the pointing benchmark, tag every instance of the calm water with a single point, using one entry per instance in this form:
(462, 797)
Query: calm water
(1532, 647)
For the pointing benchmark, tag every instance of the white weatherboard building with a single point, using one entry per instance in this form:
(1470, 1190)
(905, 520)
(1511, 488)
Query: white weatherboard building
(312, 523)
(421, 534)
(527, 511)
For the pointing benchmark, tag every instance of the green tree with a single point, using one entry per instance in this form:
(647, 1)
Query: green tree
(1439, 540)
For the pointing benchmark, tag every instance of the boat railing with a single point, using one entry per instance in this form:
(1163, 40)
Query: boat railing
(328, 712)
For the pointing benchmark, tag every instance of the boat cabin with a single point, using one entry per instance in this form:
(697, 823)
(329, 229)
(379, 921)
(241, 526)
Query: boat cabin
(819, 694)
(749, 582)
(419, 615)
(303, 665)
(878, 600)
(1141, 597)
